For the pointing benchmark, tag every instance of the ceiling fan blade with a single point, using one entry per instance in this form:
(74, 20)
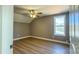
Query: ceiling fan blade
(39, 13)
(37, 16)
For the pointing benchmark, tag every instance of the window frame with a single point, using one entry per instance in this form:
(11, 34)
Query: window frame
(64, 25)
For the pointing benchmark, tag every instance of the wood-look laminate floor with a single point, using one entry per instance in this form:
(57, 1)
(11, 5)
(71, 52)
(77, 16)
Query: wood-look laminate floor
(37, 46)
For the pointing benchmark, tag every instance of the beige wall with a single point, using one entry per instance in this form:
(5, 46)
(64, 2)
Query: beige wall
(21, 29)
(44, 27)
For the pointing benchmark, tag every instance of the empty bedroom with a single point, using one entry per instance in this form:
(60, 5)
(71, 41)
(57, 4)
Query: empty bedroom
(41, 29)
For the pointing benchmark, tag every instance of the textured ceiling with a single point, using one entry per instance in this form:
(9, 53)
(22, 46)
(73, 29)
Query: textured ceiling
(20, 10)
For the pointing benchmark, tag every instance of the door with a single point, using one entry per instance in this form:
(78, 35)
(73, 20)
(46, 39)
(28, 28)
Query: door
(6, 28)
(74, 28)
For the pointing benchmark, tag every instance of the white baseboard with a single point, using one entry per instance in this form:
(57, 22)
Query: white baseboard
(50, 39)
(21, 37)
(42, 39)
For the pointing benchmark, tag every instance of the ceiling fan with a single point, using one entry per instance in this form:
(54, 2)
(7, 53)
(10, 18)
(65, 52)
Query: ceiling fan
(33, 13)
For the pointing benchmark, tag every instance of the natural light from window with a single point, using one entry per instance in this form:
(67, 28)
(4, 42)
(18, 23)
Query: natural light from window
(59, 25)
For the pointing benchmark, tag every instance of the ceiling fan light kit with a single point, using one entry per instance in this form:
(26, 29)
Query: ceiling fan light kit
(32, 16)
(33, 13)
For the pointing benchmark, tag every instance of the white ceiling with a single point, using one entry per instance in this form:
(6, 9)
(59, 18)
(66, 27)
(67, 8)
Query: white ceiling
(21, 18)
(45, 9)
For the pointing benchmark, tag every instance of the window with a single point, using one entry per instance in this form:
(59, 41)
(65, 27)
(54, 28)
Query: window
(59, 25)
